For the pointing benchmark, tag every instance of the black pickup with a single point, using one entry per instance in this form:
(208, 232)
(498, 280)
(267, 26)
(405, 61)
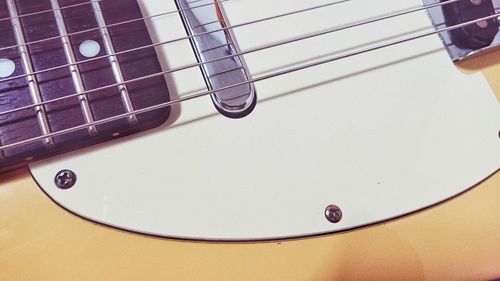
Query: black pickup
(473, 36)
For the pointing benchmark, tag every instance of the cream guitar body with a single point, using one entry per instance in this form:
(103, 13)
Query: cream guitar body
(402, 141)
(457, 240)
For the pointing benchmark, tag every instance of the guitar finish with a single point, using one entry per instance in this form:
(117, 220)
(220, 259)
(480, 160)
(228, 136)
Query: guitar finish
(457, 240)
(403, 141)
(380, 134)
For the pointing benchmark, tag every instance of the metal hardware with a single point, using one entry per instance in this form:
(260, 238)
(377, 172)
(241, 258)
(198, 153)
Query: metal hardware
(75, 71)
(236, 102)
(321, 157)
(470, 40)
(333, 214)
(113, 60)
(65, 179)
(196, 95)
(31, 79)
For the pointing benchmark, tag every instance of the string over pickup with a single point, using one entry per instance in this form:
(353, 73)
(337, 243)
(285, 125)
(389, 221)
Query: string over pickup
(470, 39)
(474, 36)
(217, 53)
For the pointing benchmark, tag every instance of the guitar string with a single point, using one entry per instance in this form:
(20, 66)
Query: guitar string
(166, 42)
(254, 80)
(47, 11)
(96, 90)
(114, 24)
(232, 27)
(90, 3)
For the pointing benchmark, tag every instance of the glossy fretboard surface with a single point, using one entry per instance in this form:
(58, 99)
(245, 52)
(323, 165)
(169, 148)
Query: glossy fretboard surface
(33, 85)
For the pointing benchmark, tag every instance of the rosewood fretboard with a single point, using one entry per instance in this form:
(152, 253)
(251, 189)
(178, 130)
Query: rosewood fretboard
(25, 31)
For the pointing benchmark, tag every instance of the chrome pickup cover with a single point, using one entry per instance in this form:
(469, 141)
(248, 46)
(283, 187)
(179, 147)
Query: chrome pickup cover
(217, 51)
(464, 42)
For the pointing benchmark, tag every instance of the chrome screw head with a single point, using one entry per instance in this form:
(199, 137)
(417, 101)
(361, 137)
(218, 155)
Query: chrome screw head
(333, 214)
(65, 179)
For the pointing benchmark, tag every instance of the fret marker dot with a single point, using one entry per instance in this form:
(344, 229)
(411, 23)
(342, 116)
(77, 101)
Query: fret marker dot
(90, 48)
(7, 68)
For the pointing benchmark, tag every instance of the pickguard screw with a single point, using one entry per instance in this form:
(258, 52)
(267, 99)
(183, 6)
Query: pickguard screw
(333, 214)
(65, 179)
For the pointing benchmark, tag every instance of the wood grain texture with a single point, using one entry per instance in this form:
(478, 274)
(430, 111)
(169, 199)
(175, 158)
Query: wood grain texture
(457, 240)
(55, 84)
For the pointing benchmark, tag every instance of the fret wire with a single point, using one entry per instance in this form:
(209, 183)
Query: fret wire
(272, 45)
(75, 71)
(87, 3)
(119, 23)
(69, 53)
(260, 78)
(33, 86)
(113, 60)
(371, 20)
(45, 11)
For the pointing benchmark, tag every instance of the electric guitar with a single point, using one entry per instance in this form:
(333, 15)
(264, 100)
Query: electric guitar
(249, 140)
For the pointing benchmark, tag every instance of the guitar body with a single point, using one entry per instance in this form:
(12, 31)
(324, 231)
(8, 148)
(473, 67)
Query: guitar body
(400, 139)
(457, 240)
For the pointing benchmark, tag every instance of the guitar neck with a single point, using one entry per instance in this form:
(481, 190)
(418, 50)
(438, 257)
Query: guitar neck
(69, 48)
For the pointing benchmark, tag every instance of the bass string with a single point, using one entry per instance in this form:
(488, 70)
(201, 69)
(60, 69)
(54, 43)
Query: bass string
(109, 25)
(159, 43)
(47, 11)
(89, 3)
(253, 80)
(241, 53)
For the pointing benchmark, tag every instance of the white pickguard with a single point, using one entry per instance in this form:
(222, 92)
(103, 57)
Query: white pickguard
(380, 135)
